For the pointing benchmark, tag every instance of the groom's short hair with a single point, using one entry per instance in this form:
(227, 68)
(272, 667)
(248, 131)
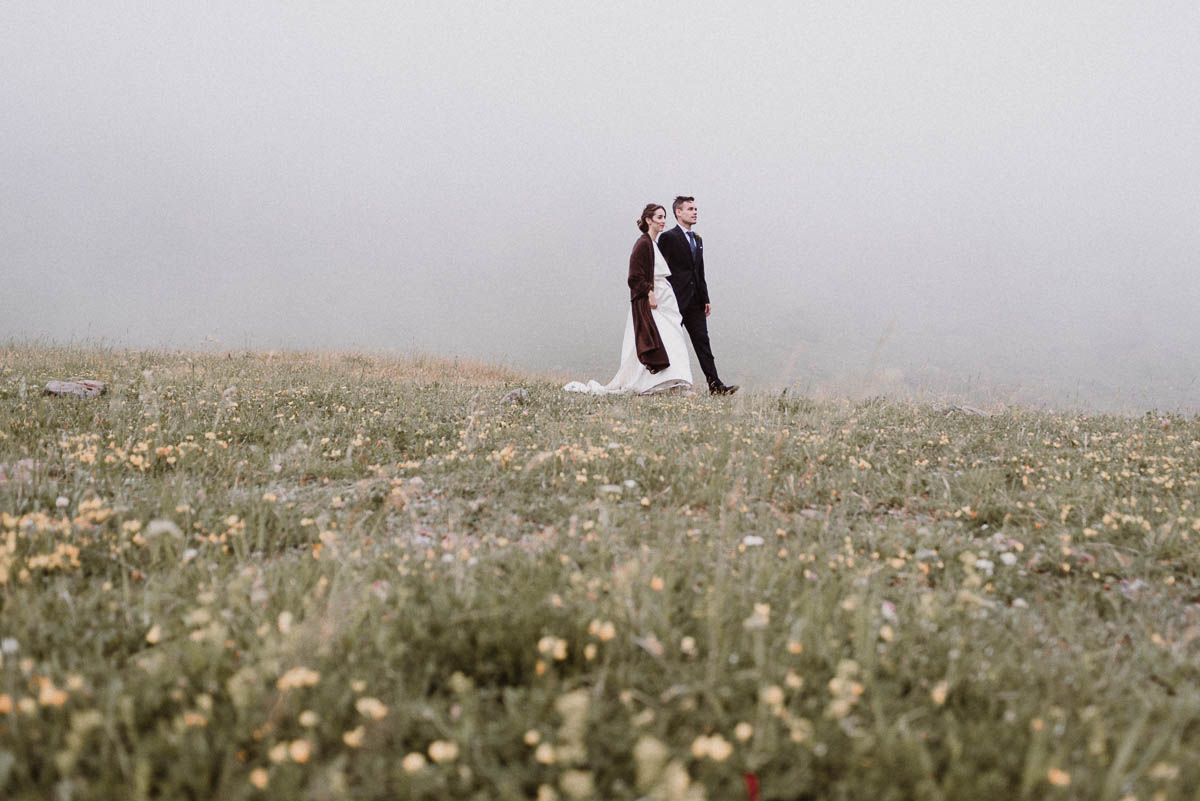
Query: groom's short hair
(678, 202)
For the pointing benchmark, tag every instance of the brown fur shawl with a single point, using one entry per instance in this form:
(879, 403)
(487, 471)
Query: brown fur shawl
(650, 348)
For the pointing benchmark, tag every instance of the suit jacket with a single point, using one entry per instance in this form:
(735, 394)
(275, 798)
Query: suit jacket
(687, 273)
(650, 349)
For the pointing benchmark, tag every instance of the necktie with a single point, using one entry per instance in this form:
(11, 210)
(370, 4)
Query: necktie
(692, 243)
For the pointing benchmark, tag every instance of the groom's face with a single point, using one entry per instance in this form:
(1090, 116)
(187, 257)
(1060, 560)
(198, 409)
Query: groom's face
(687, 213)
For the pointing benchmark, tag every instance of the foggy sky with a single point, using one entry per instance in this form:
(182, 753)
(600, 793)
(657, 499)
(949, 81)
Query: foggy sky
(972, 197)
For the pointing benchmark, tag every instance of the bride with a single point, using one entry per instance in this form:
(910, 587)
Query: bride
(654, 355)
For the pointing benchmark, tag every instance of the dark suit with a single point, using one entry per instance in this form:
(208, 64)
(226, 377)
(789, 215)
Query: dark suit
(687, 279)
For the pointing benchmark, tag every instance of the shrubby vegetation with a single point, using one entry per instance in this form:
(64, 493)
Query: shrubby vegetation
(337, 576)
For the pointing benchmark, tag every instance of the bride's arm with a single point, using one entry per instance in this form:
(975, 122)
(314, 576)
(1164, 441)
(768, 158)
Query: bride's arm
(641, 270)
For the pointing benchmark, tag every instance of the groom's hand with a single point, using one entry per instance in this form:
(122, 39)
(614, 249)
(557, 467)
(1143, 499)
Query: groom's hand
(707, 309)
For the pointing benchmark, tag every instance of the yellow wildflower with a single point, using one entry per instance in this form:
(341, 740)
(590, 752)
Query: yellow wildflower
(443, 751)
(300, 750)
(715, 747)
(259, 778)
(370, 707)
(577, 784)
(544, 754)
(297, 677)
(1057, 777)
(413, 762)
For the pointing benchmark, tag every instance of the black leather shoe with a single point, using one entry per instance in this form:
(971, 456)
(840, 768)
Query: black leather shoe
(722, 389)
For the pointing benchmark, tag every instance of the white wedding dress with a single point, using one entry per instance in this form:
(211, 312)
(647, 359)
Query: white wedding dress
(632, 377)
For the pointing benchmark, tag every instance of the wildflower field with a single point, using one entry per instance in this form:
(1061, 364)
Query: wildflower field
(336, 576)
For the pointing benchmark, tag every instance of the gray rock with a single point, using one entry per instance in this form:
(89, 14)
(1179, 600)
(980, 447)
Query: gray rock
(516, 396)
(77, 387)
(970, 410)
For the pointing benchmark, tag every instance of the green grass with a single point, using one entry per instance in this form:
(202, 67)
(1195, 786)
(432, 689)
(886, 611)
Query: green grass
(337, 576)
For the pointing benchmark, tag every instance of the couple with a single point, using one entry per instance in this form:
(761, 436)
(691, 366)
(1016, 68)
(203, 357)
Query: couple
(667, 292)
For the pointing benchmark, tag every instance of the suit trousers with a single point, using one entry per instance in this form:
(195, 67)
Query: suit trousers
(697, 327)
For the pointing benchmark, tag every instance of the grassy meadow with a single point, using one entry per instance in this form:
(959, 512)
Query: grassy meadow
(336, 576)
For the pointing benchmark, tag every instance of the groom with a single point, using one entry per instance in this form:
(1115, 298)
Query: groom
(684, 252)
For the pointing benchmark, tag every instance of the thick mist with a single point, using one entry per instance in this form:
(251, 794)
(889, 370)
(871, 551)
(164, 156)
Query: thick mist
(997, 202)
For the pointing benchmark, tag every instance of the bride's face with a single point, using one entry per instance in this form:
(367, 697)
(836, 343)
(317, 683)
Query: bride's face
(658, 222)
